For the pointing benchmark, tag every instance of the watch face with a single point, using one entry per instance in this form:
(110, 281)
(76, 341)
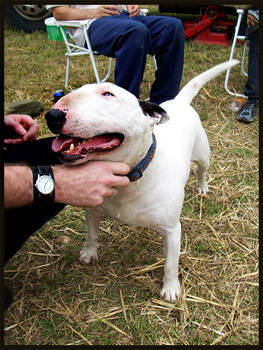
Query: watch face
(45, 184)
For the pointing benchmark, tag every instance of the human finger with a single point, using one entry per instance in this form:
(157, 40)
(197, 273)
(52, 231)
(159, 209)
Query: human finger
(12, 123)
(13, 141)
(119, 181)
(31, 133)
(110, 192)
(109, 10)
(119, 168)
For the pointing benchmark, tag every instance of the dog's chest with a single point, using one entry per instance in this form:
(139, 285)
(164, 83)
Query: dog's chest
(152, 205)
(127, 209)
(156, 198)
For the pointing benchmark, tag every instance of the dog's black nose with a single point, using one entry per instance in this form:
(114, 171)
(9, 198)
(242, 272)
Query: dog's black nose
(55, 120)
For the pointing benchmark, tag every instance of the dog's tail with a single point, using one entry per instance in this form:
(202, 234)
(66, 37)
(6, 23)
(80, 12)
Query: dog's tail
(191, 89)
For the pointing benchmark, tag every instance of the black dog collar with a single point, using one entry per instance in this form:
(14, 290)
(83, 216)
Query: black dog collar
(137, 172)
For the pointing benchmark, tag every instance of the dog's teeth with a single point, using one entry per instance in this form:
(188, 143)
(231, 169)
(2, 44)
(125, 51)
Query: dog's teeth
(71, 148)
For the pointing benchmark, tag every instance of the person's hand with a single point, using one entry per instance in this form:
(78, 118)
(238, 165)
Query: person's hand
(133, 10)
(86, 185)
(22, 126)
(107, 10)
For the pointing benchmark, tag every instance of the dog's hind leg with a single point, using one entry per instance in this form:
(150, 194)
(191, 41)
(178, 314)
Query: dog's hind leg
(201, 154)
(89, 253)
(171, 285)
(202, 167)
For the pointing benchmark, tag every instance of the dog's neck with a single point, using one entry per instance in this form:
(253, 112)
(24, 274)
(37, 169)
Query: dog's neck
(137, 172)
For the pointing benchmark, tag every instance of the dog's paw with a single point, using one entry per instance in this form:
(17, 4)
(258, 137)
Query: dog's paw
(202, 188)
(170, 291)
(88, 255)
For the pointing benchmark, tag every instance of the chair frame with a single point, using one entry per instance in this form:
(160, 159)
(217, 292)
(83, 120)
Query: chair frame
(237, 37)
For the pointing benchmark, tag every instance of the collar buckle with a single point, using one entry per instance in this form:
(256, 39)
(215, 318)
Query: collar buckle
(135, 174)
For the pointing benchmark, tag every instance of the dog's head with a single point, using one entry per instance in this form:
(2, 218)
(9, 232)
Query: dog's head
(96, 121)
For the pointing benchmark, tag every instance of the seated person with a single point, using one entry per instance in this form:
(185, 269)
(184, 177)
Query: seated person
(120, 31)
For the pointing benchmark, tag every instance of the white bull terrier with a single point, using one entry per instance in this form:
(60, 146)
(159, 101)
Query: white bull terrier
(105, 122)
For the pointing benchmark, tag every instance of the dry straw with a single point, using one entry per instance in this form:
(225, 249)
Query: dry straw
(115, 301)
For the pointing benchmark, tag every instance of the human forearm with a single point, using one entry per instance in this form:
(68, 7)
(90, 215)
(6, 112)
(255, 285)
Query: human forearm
(18, 186)
(67, 13)
(84, 186)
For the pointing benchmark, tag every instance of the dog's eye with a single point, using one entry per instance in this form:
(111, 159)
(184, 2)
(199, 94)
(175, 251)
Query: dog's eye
(107, 93)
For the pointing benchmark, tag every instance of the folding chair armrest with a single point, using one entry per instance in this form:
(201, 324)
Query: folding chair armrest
(75, 23)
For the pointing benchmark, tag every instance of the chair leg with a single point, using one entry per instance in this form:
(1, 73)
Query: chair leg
(240, 12)
(155, 63)
(94, 66)
(243, 60)
(67, 73)
(109, 70)
(93, 62)
(95, 69)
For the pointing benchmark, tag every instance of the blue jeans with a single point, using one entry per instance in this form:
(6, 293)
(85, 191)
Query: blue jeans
(129, 40)
(251, 89)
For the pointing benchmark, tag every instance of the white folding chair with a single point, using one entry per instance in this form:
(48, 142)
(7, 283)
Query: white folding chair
(237, 37)
(75, 50)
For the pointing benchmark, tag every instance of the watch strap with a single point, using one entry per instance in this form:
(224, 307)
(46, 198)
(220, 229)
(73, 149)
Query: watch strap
(40, 198)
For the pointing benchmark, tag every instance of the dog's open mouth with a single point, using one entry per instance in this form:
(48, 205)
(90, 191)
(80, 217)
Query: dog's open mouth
(72, 148)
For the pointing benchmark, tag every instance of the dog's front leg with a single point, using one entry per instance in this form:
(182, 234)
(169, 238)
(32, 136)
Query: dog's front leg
(89, 253)
(171, 286)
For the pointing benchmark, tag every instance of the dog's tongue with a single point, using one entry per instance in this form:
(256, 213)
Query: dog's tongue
(61, 142)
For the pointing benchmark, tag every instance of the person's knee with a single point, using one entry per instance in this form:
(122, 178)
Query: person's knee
(173, 28)
(139, 36)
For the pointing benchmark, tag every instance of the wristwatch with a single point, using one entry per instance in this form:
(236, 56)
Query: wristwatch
(43, 184)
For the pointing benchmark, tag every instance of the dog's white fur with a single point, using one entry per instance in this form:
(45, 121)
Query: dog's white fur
(156, 199)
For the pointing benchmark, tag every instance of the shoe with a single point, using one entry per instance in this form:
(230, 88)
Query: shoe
(8, 298)
(248, 111)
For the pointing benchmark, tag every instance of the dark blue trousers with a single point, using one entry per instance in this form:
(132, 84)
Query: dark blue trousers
(129, 40)
(251, 89)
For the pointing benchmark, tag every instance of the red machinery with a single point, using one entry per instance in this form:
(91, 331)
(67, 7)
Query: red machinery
(212, 28)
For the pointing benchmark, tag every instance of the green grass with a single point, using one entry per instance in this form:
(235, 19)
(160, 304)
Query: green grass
(115, 302)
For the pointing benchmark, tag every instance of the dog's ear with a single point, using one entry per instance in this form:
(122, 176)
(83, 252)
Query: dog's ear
(154, 111)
